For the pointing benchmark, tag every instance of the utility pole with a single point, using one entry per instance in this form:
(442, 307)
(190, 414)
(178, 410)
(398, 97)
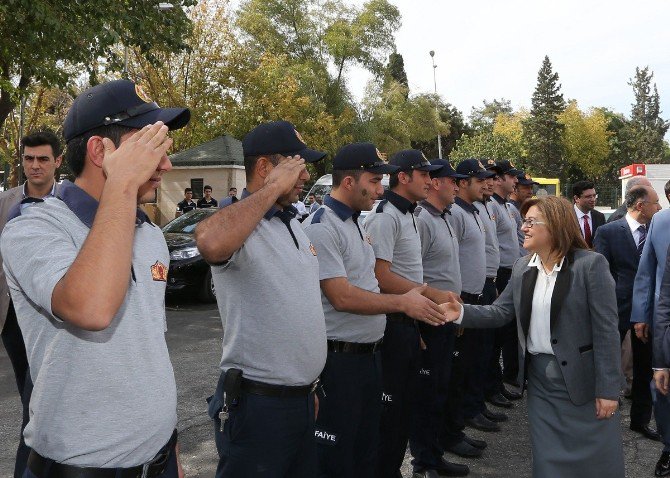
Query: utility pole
(437, 112)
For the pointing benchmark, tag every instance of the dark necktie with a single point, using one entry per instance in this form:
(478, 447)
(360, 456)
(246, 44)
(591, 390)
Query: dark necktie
(587, 231)
(643, 237)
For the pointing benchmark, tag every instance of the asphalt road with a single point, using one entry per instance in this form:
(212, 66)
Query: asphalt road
(194, 338)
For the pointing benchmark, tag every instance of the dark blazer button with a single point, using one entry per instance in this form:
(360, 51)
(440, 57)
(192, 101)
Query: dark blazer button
(564, 362)
(554, 341)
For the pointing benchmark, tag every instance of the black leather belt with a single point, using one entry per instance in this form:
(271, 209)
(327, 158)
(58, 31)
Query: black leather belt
(338, 346)
(41, 466)
(281, 391)
(397, 317)
(473, 299)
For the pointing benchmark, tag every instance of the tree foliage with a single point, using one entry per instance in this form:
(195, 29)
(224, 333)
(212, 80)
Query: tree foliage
(646, 129)
(42, 39)
(585, 141)
(483, 117)
(542, 130)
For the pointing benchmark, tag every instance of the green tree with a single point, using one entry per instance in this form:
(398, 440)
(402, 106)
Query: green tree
(484, 117)
(42, 39)
(646, 129)
(396, 69)
(542, 130)
(456, 127)
(585, 141)
(485, 145)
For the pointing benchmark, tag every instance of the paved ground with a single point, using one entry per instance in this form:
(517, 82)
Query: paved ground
(194, 339)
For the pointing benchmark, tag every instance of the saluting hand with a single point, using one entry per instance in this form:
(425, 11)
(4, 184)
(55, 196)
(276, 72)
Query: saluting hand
(422, 308)
(285, 175)
(137, 158)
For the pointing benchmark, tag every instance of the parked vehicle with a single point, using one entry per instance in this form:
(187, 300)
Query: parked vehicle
(188, 270)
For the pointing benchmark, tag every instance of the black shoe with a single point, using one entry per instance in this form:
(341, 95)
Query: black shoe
(499, 401)
(465, 449)
(510, 395)
(646, 431)
(481, 444)
(480, 422)
(452, 469)
(494, 416)
(663, 465)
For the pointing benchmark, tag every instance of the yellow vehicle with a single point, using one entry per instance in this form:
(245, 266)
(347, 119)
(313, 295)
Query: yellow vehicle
(547, 187)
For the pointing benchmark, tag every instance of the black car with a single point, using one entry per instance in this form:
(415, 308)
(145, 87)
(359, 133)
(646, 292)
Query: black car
(189, 272)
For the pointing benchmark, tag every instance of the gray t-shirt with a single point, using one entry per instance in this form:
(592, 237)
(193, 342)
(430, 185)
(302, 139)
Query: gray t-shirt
(469, 231)
(395, 237)
(439, 249)
(514, 209)
(506, 227)
(488, 218)
(100, 399)
(270, 304)
(344, 249)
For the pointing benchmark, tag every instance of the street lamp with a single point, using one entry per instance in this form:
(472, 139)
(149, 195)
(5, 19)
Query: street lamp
(161, 7)
(437, 112)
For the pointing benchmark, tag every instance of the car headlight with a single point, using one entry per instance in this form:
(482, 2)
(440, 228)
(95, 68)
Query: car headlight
(186, 253)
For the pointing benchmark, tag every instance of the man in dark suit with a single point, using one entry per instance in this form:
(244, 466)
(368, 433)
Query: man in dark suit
(623, 209)
(40, 157)
(584, 197)
(621, 243)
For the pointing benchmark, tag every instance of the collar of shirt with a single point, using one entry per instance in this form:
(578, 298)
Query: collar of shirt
(581, 214)
(514, 203)
(535, 261)
(85, 207)
(471, 208)
(404, 205)
(632, 223)
(51, 194)
(343, 211)
(433, 210)
(274, 210)
(500, 199)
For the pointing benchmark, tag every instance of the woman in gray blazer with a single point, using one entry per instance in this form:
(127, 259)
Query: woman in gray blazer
(564, 301)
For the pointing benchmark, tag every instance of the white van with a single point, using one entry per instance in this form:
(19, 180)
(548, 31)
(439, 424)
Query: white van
(324, 185)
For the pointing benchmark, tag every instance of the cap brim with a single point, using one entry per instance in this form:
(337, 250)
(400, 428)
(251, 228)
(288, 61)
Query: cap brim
(382, 169)
(174, 118)
(513, 172)
(525, 182)
(309, 155)
(457, 176)
(431, 167)
(484, 174)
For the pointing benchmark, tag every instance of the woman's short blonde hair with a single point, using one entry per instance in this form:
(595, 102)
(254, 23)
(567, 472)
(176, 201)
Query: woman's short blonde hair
(561, 222)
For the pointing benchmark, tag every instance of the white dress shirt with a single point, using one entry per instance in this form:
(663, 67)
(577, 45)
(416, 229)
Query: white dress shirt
(580, 219)
(539, 335)
(634, 228)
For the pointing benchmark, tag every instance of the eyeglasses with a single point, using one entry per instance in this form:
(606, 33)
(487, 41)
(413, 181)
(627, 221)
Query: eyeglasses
(530, 222)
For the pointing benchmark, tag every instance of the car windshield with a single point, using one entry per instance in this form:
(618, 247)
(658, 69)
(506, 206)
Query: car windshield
(186, 224)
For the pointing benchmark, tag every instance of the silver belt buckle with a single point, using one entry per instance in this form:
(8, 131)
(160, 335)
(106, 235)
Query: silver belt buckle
(145, 470)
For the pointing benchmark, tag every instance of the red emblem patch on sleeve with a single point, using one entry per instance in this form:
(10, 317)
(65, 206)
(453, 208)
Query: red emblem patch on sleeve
(159, 272)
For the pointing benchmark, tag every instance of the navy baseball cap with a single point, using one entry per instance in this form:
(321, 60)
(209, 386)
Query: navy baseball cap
(526, 180)
(502, 167)
(412, 159)
(363, 156)
(278, 137)
(474, 168)
(118, 102)
(446, 171)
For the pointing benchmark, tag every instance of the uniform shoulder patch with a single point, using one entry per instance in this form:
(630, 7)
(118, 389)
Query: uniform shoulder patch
(159, 272)
(316, 218)
(380, 206)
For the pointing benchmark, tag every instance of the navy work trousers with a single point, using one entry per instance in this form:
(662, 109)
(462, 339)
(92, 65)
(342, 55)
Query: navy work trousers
(400, 372)
(506, 343)
(432, 396)
(267, 437)
(478, 360)
(16, 350)
(347, 428)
